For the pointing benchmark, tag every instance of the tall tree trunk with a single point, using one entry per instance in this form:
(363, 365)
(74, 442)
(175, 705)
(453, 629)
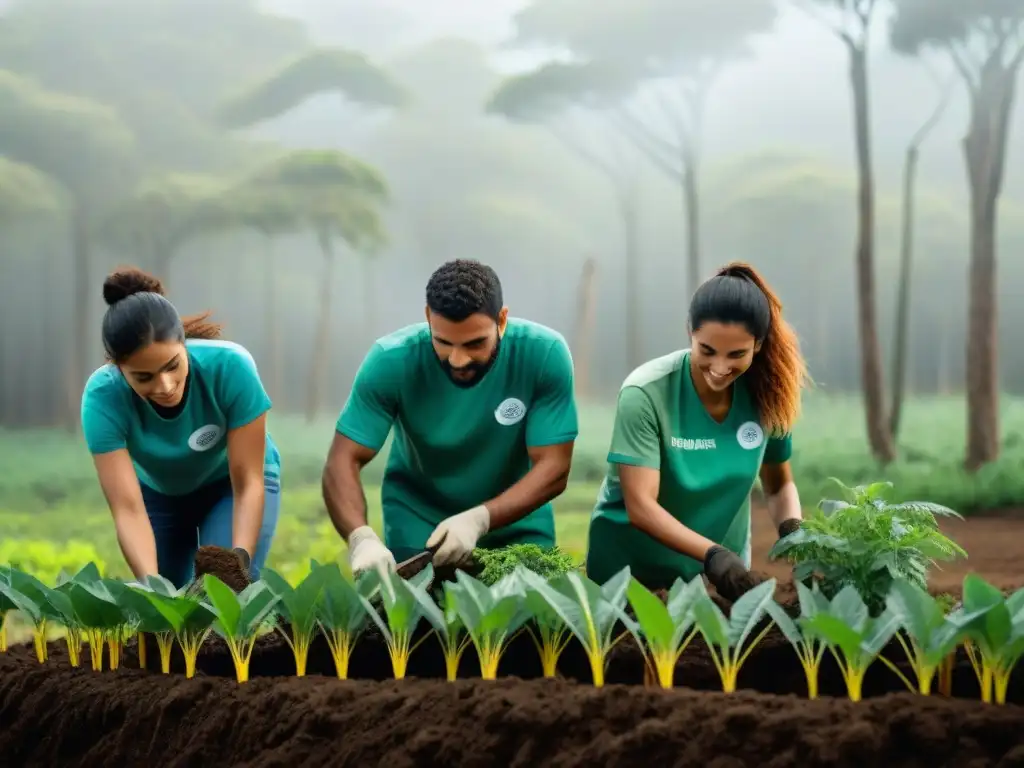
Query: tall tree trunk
(691, 210)
(319, 363)
(583, 338)
(78, 354)
(985, 156)
(629, 213)
(879, 437)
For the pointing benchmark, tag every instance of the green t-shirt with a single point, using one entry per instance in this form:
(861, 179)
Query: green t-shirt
(178, 455)
(454, 447)
(707, 471)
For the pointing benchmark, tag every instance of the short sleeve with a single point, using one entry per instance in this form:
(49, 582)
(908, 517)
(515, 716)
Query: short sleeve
(103, 422)
(372, 404)
(552, 417)
(778, 450)
(244, 399)
(636, 436)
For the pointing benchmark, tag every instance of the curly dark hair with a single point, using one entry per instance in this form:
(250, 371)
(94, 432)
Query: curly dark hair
(464, 287)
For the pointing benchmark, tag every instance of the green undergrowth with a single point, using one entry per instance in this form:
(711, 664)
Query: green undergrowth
(495, 564)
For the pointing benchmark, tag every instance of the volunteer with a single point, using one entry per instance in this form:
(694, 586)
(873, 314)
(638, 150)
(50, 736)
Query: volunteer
(176, 424)
(693, 431)
(485, 421)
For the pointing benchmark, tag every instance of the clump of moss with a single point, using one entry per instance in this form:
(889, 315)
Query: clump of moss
(493, 564)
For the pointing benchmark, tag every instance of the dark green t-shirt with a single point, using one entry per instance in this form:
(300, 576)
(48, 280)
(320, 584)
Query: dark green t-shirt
(454, 447)
(707, 470)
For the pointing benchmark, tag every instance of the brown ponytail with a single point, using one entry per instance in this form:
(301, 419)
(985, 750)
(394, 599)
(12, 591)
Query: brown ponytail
(779, 371)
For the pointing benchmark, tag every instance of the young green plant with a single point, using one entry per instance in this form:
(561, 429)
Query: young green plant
(341, 614)
(492, 615)
(590, 611)
(447, 624)
(809, 648)
(665, 629)
(727, 637)
(29, 595)
(148, 621)
(853, 637)
(992, 627)
(94, 609)
(930, 638)
(547, 629)
(191, 621)
(402, 614)
(240, 617)
(297, 606)
(866, 541)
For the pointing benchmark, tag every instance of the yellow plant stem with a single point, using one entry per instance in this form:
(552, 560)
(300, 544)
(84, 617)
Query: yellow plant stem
(946, 674)
(597, 655)
(341, 644)
(95, 637)
(399, 651)
(982, 670)
(924, 670)
(810, 656)
(662, 660)
(300, 649)
(114, 647)
(241, 654)
(1001, 682)
(853, 676)
(729, 662)
(190, 642)
(3, 632)
(73, 638)
(453, 649)
(142, 650)
(489, 649)
(550, 646)
(164, 642)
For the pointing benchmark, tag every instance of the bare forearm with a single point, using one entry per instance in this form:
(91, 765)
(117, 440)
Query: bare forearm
(654, 520)
(137, 542)
(248, 517)
(784, 504)
(544, 482)
(344, 497)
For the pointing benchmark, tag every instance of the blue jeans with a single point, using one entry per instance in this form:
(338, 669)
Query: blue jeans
(182, 524)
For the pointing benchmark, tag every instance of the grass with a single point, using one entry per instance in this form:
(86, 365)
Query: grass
(53, 514)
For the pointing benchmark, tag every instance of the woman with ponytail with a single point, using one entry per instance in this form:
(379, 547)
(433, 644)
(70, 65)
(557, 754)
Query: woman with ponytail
(693, 432)
(176, 422)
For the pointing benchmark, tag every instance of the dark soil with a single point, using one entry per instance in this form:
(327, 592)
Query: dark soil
(53, 715)
(222, 563)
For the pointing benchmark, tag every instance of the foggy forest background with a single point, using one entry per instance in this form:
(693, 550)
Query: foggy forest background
(301, 166)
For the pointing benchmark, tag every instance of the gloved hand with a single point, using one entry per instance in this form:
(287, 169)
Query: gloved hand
(787, 527)
(454, 540)
(366, 551)
(728, 574)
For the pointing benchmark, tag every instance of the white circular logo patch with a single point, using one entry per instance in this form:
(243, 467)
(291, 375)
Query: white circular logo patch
(750, 435)
(511, 411)
(204, 438)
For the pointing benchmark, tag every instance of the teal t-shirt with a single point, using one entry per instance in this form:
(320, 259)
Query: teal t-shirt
(707, 470)
(179, 455)
(454, 447)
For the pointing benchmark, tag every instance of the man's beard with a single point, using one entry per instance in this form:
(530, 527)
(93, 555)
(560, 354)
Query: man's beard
(480, 369)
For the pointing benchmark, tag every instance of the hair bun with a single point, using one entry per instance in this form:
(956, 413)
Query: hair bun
(125, 282)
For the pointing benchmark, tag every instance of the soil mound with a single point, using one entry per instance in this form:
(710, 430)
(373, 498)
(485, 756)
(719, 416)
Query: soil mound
(54, 715)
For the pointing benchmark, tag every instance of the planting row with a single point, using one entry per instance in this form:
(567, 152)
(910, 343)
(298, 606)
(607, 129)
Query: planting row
(103, 612)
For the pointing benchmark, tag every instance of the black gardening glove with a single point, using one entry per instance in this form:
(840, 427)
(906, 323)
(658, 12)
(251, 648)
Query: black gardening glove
(787, 527)
(727, 573)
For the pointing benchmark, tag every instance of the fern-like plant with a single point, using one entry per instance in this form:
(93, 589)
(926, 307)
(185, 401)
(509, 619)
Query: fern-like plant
(867, 541)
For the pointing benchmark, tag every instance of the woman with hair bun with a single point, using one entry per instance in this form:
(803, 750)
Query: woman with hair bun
(176, 424)
(693, 432)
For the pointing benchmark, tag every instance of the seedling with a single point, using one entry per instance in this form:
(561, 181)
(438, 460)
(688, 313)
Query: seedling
(931, 637)
(868, 542)
(726, 638)
(298, 606)
(147, 620)
(552, 634)
(590, 611)
(239, 617)
(29, 595)
(402, 613)
(447, 624)
(665, 629)
(341, 614)
(809, 648)
(492, 616)
(852, 636)
(190, 620)
(993, 629)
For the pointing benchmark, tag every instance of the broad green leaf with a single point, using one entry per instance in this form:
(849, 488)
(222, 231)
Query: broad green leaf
(656, 625)
(297, 604)
(225, 603)
(748, 611)
(835, 632)
(339, 608)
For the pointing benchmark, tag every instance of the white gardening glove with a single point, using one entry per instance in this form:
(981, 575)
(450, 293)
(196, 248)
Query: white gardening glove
(366, 551)
(456, 537)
